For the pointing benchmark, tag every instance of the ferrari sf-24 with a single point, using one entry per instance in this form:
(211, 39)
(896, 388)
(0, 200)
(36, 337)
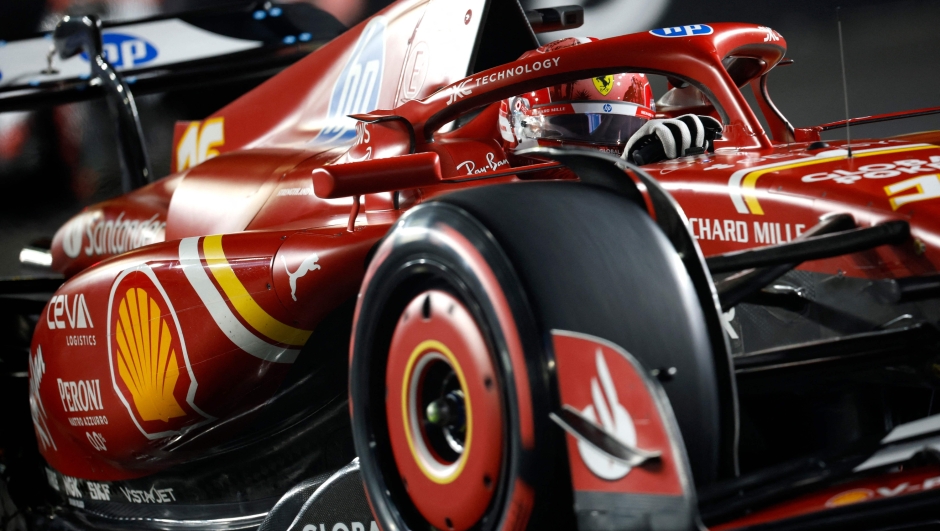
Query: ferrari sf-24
(435, 276)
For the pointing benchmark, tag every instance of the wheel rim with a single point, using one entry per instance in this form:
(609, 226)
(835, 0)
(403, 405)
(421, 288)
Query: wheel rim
(444, 412)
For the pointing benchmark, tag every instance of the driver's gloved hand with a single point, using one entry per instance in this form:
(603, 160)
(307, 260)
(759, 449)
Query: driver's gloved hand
(675, 137)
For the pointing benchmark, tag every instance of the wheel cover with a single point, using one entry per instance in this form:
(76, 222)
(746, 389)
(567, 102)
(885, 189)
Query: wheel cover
(444, 412)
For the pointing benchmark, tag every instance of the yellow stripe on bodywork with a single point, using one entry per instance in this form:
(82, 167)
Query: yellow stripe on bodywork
(244, 304)
(750, 181)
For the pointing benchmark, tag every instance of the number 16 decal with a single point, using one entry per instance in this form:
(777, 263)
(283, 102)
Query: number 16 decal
(928, 187)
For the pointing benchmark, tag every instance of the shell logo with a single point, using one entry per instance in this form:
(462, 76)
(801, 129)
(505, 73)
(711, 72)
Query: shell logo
(150, 368)
(147, 358)
(849, 497)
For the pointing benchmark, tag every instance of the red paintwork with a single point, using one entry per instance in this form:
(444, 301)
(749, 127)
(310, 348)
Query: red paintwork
(862, 120)
(371, 176)
(582, 363)
(883, 486)
(247, 172)
(456, 493)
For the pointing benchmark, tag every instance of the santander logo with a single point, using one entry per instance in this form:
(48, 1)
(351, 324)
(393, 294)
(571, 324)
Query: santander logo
(609, 413)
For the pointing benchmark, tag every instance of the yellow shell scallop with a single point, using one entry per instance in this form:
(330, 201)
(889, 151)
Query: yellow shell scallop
(146, 357)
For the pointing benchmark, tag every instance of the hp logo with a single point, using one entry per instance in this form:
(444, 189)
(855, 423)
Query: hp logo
(684, 31)
(357, 89)
(126, 51)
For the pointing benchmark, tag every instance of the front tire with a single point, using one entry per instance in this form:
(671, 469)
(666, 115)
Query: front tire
(514, 262)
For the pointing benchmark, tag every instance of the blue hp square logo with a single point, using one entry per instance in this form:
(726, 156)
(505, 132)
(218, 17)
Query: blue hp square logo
(684, 31)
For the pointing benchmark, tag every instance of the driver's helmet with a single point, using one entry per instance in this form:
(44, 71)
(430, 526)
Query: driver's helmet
(600, 112)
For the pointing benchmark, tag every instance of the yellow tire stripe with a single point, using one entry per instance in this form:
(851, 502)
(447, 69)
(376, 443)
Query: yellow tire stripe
(436, 346)
(241, 300)
(750, 182)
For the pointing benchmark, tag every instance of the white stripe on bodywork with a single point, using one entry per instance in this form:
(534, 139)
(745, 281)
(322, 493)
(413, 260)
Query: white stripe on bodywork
(222, 314)
(734, 183)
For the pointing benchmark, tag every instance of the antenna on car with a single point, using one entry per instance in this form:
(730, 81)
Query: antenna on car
(845, 86)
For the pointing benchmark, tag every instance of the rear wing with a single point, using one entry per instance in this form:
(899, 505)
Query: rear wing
(255, 39)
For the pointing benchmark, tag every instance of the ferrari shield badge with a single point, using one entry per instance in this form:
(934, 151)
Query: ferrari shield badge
(603, 84)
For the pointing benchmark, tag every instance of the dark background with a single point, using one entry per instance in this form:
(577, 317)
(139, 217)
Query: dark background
(54, 161)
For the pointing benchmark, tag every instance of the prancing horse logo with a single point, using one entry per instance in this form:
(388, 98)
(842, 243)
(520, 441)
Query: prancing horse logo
(309, 264)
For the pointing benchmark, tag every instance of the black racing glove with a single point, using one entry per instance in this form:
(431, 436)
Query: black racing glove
(675, 137)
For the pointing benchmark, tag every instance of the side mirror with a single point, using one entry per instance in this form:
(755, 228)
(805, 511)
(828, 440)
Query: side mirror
(74, 35)
(377, 175)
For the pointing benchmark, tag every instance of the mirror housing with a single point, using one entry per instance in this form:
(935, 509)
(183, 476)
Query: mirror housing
(377, 175)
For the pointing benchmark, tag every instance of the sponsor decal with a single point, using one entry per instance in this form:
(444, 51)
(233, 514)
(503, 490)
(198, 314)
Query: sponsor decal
(80, 340)
(603, 84)
(357, 88)
(729, 230)
(609, 388)
(726, 319)
(491, 165)
(154, 495)
(37, 367)
(250, 312)
(91, 420)
(418, 66)
(926, 187)
(771, 34)
(340, 526)
(742, 186)
(83, 395)
(76, 315)
(98, 491)
(97, 440)
(850, 496)
(109, 236)
(306, 190)
(459, 91)
(71, 486)
(608, 107)
(862, 494)
(308, 264)
(125, 51)
(76, 488)
(683, 31)
(464, 88)
(52, 479)
(150, 368)
(199, 142)
(363, 137)
(608, 412)
(897, 168)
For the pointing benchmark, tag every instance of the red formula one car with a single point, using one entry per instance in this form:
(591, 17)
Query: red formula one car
(351, 281)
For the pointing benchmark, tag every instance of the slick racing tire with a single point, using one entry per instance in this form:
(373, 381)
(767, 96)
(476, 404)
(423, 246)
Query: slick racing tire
(452, 372)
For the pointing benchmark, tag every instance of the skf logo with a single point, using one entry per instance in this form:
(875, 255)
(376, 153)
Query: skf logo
(124, 51)
(199, 142)
(75, 315)
(150, 368)
(357, 88)
(603, 84)
(683, 31)
(608, 412)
